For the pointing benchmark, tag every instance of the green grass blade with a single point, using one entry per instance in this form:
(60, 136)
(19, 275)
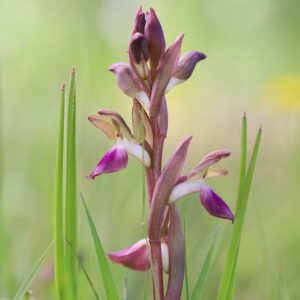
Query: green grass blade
(228, 278)
(2, 242)
(58, 204)
(108, 282)
(71, 189)
(26, 284)
(185, 266)
(204, 271)
(145, 286)
(243, 161)
(83, 269)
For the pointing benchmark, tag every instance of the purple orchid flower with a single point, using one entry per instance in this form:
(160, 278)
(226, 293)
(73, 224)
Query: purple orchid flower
(116, 159)
(152, 71)
(194, 182)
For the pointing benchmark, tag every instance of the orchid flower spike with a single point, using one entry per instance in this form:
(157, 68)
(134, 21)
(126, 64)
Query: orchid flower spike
(116, 159)
(136, 256)
(195, 182)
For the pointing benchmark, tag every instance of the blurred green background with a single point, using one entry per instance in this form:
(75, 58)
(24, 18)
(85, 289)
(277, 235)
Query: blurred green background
(252, 65)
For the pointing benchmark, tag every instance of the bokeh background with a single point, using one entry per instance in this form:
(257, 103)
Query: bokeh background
(252, 65)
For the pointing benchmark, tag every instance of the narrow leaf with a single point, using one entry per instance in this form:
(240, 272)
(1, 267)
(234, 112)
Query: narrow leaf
(71, 188)
(107, 279)
(58, 204)
(229, 272)
(204, 271)
(83, 269)
(26, 284)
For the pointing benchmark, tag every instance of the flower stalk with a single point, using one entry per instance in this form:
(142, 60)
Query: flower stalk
(152, 71)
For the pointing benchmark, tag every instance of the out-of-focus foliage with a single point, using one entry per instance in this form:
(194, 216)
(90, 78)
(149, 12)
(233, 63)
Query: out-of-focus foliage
(252, 65)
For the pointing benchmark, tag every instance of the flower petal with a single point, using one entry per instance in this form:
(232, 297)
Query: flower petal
(129, 83)
(103, 125)
(185, 68)
(185, 188)
(214, 204)
(166, 68)
(137, 151)
(134, 257)
(121, 124)
(155, 37)
(213, 172)
(208, 160)
(114, 160)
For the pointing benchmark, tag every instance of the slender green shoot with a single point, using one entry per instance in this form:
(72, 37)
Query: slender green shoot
(185, 266)
(228, 278)
(58, 204)
(83, 269)
(26, 284)
(71, 188)
(108, 281)
(243, 161)
(204, 271)
(145, 286)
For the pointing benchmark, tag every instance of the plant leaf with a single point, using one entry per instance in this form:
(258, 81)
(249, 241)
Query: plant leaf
(71, 189)
(59, 268)
(108, 281)
(26, 284)
(204, 271)
(228, 277)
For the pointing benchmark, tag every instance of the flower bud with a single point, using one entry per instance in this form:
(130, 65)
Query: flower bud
(138, 48)
(129, 83)
(155, 37)
(139, 22)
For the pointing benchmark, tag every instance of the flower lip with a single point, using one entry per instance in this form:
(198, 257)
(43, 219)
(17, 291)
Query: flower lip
(214, 204)
(114, 160)
(134, 257)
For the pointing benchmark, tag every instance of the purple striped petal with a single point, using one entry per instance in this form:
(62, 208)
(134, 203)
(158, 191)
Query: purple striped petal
(134, 257)
(214, 204)
(114, 160)
(166, 68)
(185, 68)
(208, 160)
(129, 83)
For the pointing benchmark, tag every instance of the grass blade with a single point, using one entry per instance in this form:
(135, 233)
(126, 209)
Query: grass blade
(58, 204)
(83, 269)
(185, 266)
(204, 271)
(145, 286)
(26, 284)
(71, 189)
(125, 289)
(108, 282)
(243, 162)
(228, 278)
